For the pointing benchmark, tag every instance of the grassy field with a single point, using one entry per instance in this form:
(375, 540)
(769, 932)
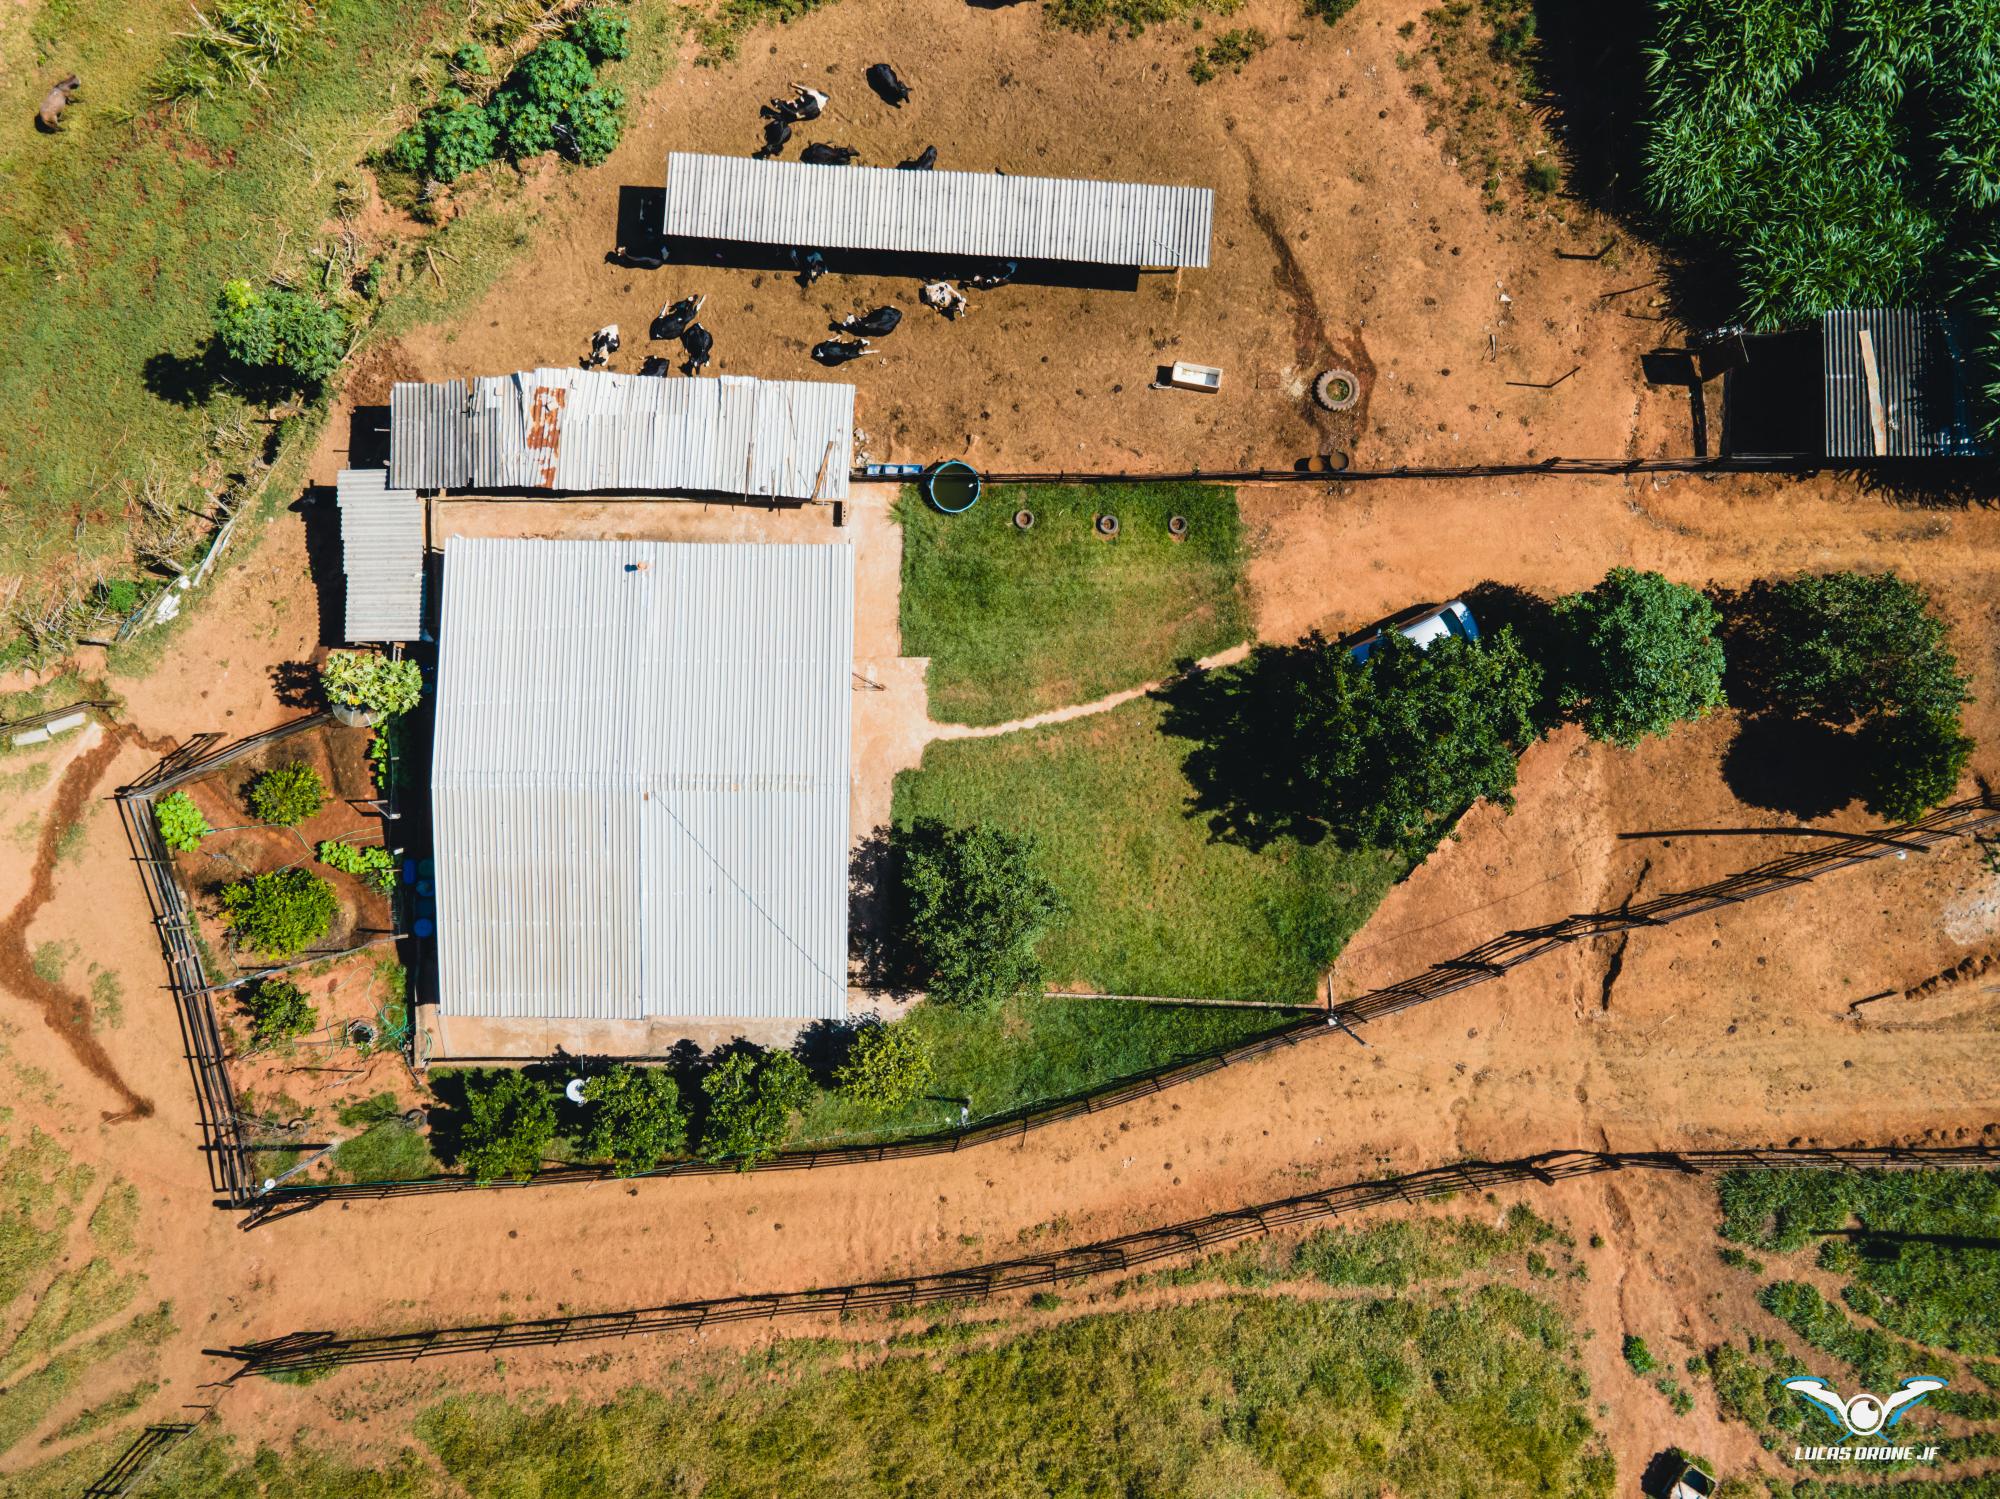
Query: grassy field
(1232, 1397)
(1015, 622)
(1913, 1252)
(1155, 907)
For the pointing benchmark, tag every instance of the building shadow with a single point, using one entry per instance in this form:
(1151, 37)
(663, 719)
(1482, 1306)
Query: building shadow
(368, 437)
(319, 508)
(897, 264)
(641, 212)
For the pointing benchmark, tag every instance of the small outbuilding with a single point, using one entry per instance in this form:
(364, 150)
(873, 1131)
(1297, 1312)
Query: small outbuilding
(978, 215)
(639, 792)
(572, 431)
(382, 555)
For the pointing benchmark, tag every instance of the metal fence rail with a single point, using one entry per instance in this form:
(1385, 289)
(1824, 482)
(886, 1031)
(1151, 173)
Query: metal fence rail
(1488, 961)
(137, 1460)
(1587, 466)
(223, 1141)
(323, 1350)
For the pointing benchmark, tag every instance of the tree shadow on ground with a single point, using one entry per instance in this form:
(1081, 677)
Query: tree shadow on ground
(1933, 484)
(1793, 766)
(295, 683)
(822, 1048)
(877, 925)
(1241, 772)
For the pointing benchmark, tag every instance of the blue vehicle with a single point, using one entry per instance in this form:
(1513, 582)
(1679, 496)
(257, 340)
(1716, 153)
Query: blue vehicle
(1452, 619)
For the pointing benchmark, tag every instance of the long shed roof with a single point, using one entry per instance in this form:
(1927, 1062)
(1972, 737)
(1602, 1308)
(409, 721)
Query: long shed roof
(947, 213)
(580, 431)
(382, 553)
(1913, 402)
(640, 780)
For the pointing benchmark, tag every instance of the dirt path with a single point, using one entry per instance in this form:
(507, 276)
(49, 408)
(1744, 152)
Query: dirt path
(1079, 710)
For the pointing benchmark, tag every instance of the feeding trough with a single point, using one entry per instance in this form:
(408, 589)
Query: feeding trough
(953, 487)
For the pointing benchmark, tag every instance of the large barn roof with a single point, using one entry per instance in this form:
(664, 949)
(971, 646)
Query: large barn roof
(640, 780)
(982, 214)
(582, 431)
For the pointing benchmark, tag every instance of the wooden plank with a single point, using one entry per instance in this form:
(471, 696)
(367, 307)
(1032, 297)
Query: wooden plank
(1878, 417)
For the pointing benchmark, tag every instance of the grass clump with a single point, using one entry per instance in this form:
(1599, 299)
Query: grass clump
(1638, 1357)
(1017, 622)
(1390, 1255)
(1152, 904)
(232, 46)
(1130, 16)
(1230, 49)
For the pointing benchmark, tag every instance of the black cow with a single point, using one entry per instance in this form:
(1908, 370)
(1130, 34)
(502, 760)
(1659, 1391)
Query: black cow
(877, 324)
(882, 78)
(697, 340)
(805, 104)
(656, 364)
(673, 320)
(999, 276)
(776, 133)
(811, 266)
(919, 163)
(839, 351)
(819, 155)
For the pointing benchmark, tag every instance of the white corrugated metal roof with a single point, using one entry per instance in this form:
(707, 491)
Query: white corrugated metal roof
(591, 430)
(382, 553)
(945, 213)
(640, 779)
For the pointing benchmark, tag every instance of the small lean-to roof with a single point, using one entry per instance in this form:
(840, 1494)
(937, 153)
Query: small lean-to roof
(983, 214)
(584, 431)
(382, 553)
(1920, 393)
(640, 780)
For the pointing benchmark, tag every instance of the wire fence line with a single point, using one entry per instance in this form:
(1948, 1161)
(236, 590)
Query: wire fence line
(1545, 466)
(1488, 961)
(311, 1351)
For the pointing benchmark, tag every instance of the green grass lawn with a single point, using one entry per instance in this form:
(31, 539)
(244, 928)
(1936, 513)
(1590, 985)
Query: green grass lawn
(1233, 1397)
(1015, 622)
(1155, 907)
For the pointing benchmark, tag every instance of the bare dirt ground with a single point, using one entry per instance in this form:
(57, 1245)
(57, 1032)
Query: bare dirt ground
(1341, 237)
(1732, 1029)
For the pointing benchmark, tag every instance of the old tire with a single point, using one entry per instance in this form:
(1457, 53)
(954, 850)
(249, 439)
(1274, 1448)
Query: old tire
(1337, 389)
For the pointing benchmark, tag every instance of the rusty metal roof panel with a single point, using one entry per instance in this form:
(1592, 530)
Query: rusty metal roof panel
(1919, 384)
(640, 780)
(428, 435)
(382, 554)
(579, 431)
(947, 213)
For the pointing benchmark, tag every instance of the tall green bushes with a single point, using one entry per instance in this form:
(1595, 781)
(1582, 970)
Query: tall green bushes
(552, 101)
(1841, 153)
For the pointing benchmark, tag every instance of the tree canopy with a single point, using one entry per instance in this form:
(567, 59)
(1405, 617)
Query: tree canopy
(510, 1119)
(1845, 647)
(975, 906)
(1637, 654)
(1304, 741)
(887, 1067)
(280, 331)
(751, 1100)
(636, 1117)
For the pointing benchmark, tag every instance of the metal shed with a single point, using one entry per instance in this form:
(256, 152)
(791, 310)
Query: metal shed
(640, 781)
(1896, 385)
(581, 431)
(978, 214)
(382, 553)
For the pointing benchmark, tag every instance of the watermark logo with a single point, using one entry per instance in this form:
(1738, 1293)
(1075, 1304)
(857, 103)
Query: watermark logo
(1862, 1417)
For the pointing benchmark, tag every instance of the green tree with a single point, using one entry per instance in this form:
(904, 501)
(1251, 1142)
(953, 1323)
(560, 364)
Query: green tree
(180, 823)
(280, 331)
(279, 1010)
(553, 102)
(1637, 654)
(510, 1119)
(1304, 741)
(287, 794)
(277, 914)
(374, 866)
(1847, 646)
(751, 1101)
(887, 1067)
(637, 1119)
(975, 908)
(451, 138)
(1911, 763)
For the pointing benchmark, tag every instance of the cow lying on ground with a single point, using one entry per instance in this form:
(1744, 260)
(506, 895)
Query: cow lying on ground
(923, 162)
(877, 324)
(673, 319)
(882, 78)
(820, 155)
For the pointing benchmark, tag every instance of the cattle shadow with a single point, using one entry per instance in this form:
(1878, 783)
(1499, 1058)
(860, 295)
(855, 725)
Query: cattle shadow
(694, 254)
